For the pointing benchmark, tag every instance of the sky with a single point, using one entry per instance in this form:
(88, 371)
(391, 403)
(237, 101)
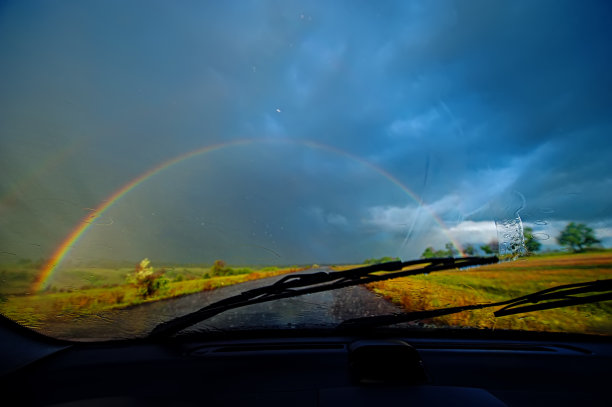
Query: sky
(336, 131)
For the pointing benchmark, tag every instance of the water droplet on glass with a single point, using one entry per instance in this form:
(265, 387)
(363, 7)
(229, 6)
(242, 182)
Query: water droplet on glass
(511, 240)
(540, 222)
(547, 210)
(541, 236)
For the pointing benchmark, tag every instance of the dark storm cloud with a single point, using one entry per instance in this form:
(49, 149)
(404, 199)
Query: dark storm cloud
(465, 103)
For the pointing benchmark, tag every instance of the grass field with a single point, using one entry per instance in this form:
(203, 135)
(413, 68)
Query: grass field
(87, 291)
(505, 281)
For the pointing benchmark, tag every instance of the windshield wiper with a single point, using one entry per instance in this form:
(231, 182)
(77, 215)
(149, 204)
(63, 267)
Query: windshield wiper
(555, 297)
(300, 284)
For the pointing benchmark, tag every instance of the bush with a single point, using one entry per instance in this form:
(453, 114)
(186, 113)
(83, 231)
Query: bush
(146, 280)
(220, 269)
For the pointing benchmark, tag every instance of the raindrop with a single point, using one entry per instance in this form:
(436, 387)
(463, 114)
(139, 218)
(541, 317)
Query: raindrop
(541, 236)
(540, 222)
(547, 210)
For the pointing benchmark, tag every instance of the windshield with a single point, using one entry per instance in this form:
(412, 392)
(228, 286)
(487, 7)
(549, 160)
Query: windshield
(158, 157)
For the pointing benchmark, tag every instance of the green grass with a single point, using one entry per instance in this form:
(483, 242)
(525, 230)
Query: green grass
(93, 290)
(504, 281)
(18, 279)
(89, 290)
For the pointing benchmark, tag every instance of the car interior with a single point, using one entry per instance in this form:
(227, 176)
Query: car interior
(307, 369)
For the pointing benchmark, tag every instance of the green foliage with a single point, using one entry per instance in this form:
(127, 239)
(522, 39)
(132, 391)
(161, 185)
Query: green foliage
(490, 248)
(450, 250)
(65, 304)
(431, 253)
(577, 237)
(146, 280)
(531, 243)
(469, 250)
(220, 269)
(385, 259)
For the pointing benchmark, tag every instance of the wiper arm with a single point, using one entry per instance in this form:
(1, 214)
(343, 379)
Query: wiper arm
(556, 297)
(300, 284)
(565, 296)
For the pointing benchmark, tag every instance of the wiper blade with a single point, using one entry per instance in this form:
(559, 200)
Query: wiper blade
(565, 296)
(300, 284)
(556, 297)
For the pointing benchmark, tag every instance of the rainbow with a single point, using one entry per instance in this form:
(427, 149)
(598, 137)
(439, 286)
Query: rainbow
(51, 265)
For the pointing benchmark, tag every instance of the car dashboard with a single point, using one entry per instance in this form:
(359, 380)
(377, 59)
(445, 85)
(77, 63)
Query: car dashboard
(298, 369)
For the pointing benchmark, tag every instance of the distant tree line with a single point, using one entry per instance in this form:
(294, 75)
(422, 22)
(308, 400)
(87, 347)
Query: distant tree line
(577, 237)
(448, 251)
(385, 259)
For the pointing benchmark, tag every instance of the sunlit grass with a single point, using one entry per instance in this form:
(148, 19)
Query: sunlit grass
(505, 281)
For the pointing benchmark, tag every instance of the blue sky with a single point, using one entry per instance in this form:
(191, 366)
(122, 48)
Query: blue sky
(472, 105)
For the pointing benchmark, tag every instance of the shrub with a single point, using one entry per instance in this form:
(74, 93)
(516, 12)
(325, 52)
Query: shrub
(147, 280)
(218, 269)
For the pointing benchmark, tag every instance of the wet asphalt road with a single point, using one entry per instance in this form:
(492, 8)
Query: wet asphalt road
(325, 309)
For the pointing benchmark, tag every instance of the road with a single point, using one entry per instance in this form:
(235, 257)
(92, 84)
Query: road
(325, 309)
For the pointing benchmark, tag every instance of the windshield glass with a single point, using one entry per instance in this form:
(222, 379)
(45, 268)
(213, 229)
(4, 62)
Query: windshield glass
(158, 157)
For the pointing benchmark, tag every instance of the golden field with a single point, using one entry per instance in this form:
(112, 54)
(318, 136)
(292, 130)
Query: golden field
(505, 281)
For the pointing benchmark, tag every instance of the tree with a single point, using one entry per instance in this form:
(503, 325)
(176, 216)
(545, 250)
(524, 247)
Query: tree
(429, 253)
(469, 250)
(219, 268)
(451, 251)
(577, 237)
(531, 243)
(490, 248)
(146, 280)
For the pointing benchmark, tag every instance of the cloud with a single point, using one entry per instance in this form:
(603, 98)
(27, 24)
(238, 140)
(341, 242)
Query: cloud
(336, 219)
(470, 232)
(391, 218)
(467, 105)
